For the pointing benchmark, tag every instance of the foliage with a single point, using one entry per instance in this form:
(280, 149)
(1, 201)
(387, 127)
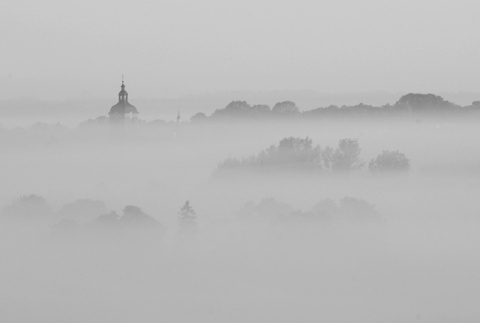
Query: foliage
(390, 161)
(108, 219)
(416, 102)
(134, 216)
(293, 153)
(242, 109)
(198, 117)
(285, 108)
(300, 154)
(346, 156)
(28, 206)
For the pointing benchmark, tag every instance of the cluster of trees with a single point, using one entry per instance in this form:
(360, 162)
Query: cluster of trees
(300, 154)
(389, 161)
(327, 210)
(85, 213)
(132, 216)
(241, 109)
(28, 207)
(412, 103)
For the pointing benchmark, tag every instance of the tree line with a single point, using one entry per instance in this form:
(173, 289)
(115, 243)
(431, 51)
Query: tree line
(409, 104)
(93, 214)
(301, 155)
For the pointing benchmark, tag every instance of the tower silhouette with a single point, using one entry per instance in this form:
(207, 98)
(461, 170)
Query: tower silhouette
(123, 108)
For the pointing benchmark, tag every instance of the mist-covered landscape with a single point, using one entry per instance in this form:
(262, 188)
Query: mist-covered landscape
(220, 161)
(93, 227)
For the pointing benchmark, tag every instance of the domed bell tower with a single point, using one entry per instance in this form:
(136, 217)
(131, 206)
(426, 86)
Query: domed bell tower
(123, 109)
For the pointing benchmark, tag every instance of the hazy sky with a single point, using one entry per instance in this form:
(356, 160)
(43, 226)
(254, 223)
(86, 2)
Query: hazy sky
(174, 47)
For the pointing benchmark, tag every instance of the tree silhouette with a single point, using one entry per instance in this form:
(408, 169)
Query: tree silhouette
(291, 153)
(187, 219)
(390, 161)
(28, 206)
(300, 154)
(285, 108)
(346, 156)
(134, 216)
(198, 117)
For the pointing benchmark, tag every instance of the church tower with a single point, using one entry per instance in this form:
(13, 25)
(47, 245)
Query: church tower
(123, 109)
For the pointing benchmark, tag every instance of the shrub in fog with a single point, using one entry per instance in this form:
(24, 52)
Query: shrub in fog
(390, 161)
(28, 206)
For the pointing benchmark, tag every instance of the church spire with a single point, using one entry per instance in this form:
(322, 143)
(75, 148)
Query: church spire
(123, 95)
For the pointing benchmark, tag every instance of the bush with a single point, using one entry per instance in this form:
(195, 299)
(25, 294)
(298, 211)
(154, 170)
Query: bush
(390, 161)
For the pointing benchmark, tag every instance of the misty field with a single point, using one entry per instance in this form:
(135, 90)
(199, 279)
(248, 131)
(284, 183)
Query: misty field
(412, 257)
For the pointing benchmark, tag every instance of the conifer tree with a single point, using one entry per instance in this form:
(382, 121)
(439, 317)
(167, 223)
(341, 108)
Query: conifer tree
(187, 218)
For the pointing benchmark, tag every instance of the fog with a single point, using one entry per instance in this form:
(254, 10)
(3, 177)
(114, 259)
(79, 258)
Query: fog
(359, 204)
(263, 245)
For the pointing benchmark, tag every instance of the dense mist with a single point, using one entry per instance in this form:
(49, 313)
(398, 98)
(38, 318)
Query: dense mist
(95, 224)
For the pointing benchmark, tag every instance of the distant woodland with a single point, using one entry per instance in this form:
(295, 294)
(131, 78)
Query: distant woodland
(411, 104)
